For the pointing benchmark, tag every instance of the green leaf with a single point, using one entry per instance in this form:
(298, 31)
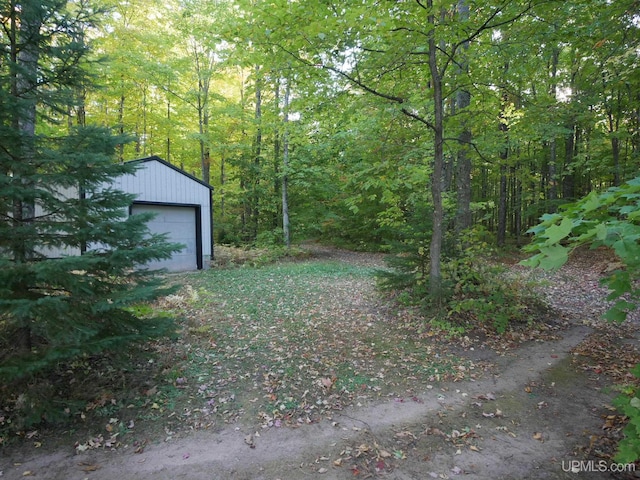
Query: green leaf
(554, 257)
(533, 261)
(591, 202)
(601, 231)
(617, 316)
(555, 233)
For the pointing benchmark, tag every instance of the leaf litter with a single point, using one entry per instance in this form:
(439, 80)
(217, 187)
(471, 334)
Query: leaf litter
(286, 345)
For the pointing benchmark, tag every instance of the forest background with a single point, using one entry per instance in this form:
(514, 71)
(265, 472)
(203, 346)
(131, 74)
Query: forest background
(348, 111)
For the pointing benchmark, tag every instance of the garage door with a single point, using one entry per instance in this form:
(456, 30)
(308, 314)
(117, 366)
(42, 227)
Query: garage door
(179, 223)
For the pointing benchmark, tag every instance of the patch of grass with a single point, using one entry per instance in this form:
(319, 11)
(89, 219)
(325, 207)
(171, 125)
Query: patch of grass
(296, 340)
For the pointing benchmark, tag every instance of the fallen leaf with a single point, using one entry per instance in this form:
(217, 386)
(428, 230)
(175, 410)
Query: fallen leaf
(384, 454)
(538, 436)
(405, 434)
(87, 467)
(326, 382)
(486, 396)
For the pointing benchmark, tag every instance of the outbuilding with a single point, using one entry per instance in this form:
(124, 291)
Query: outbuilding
(183, 207)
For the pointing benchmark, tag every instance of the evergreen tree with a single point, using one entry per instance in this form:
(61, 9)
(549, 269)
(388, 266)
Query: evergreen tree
(55, 201)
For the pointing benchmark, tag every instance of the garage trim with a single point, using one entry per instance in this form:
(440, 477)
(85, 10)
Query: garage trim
(198, 213)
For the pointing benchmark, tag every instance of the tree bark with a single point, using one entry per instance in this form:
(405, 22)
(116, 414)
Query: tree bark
(435, 250)
(464, 219)
(285, 165)
(255, 180)
(26, 23)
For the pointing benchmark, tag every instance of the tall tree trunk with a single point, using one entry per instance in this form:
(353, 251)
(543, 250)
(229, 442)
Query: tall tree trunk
(25, 24)
(517, 201)
(502, 203)
(168, 130)
(255, 181)
(121, 124)
(504, 156)
(435, 250)
(552, 194)
(277, 183)
(285, 167)
(204, 81)
(568, 175)
(223, 181)
(613, 120)
(463, 175)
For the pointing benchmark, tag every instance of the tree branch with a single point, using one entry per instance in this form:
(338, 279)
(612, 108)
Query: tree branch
(419, 118)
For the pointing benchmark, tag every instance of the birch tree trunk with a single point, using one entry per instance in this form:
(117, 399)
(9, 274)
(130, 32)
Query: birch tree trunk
(285, 167)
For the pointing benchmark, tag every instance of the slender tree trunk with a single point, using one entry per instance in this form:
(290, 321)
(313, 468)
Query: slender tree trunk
(614, 124)
(223, 181)
(206, 154)
(168, 130)
(204, 78)
(615, 150)
(121, 125)
(285, 165)
(435, 250)
(568, 176)
(463, 175)
(504, 156)
(502, 203)
(277, 183)
(553, 181)
(255, 197)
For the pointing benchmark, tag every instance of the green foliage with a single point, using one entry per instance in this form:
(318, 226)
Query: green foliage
(409, 261)
(629, 404)
(611, 219)
(476, 289)
(479, 288)
(54, 309)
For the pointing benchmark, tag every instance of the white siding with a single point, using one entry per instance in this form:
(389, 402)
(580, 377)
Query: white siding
(158, 183)
(39, 211)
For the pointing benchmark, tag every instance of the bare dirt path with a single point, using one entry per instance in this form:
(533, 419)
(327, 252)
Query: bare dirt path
(531, 414)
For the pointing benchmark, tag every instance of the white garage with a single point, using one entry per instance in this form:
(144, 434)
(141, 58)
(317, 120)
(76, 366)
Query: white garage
(182, 204)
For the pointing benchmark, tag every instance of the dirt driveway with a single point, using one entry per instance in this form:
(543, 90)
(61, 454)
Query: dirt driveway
(536, 413)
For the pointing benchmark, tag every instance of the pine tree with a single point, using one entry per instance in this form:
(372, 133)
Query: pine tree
(55, 197)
